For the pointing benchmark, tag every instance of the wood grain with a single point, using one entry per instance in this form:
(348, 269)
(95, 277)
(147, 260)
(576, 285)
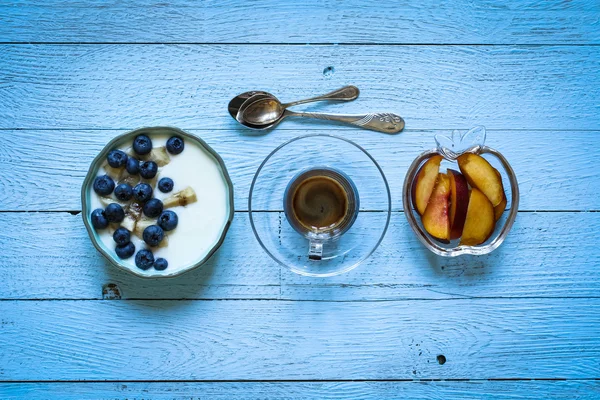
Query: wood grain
(37, 164)
(527, 70)
(505, 390)
(545, 255)
(283, 340)
(269, 21)
(68, 266)
(432, 87)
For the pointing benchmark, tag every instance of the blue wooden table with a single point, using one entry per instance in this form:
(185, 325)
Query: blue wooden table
(522, 322)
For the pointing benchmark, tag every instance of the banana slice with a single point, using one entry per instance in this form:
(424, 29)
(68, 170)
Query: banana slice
(129, 222)
(159, 155)
(152, 182)
(181, 198)
(141, 225)
(105, 201)
(164, 242)
(114, 173)
(112, 227)
(132, 180)
(135, 210)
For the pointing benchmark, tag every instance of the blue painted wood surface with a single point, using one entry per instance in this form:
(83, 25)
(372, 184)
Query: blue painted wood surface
(522, 322)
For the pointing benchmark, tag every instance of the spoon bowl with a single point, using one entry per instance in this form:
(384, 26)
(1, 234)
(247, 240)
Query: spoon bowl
(236, 103)
(261, 110)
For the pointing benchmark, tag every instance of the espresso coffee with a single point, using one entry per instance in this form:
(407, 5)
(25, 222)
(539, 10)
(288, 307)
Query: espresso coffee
(319, 203)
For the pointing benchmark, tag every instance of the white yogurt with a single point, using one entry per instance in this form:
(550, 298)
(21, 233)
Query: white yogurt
(200, 224)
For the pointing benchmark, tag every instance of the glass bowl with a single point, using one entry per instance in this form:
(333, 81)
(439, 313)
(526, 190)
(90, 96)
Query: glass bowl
(450, 148)
(87, 201)
(277, 236)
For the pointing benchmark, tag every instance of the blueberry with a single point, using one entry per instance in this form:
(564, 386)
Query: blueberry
(148, 169)
(142, 145)
(117, 158)
(133, 165)
(175, 145)
(153, 208)
(121, 236)
(125, 251)
(114, 212)
(142, 192)
(124, 192)
(165, 185)
(168, 220)
(104, 185)
(153, 235)
(160, 264)
(99, 220)
(144, 259)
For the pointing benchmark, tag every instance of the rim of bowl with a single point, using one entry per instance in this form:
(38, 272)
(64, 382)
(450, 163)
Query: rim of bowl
(459, 250)
(351, 266)
(94, 166)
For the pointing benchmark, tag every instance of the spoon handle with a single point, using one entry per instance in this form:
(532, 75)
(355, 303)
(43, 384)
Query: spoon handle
(347, 93)
(380, 122)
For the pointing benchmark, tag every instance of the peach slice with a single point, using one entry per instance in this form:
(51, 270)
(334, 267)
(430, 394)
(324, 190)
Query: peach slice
(499, 209)
(436, 218)
(459, 202)
(481, 175)
(424, 183)
(480, 221)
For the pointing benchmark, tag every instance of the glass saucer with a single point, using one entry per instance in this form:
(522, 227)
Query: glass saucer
(279, 239)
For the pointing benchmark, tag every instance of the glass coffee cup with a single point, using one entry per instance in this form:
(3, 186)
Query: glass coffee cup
(321, 204)
(348, 237)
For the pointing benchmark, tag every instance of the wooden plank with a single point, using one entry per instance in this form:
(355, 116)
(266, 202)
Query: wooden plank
(283, 340)
(268, 21)
(549, 179)
(546, 255)
(66, 265)
(122, 86)
(553, 390)
(543, 252)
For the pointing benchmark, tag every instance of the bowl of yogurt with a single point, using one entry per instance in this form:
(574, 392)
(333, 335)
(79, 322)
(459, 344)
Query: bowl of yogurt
(157, 202)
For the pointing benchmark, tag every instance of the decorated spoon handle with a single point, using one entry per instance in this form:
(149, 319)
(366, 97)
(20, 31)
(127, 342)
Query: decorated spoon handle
(380, 122)
(347, 93)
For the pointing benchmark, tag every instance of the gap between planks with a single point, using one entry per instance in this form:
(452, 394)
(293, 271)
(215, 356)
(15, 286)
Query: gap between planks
(190, 299)
(77, 212)
(365, 44)
(590, 379)
(333, 128)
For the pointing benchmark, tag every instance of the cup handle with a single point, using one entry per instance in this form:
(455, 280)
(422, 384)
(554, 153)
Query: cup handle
(315, 250)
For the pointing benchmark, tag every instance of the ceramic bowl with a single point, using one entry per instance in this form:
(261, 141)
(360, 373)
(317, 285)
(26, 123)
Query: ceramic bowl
(87, 193)
(450, 148)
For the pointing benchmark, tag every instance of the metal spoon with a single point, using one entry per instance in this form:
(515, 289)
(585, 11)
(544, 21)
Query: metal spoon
(264, 108)
(381, 122)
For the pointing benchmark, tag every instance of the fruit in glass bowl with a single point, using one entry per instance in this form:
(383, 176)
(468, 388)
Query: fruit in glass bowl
(461, 210)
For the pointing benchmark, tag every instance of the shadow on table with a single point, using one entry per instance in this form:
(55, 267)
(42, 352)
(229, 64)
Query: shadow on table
(465, 267)
(195, 284)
